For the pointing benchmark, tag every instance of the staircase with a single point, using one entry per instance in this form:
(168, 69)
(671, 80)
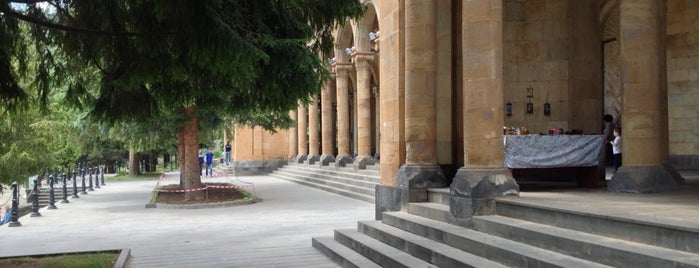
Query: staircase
(520, 235)
(358, 184)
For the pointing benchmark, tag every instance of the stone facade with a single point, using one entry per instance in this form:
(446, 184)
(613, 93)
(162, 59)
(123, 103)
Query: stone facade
(430, 79)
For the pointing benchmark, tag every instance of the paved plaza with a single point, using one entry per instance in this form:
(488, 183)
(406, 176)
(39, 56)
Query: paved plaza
(274, 233)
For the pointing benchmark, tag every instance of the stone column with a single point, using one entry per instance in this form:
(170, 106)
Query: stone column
(293, 138)
(326, 122)
(301, 130)
(484, 175)
(420, 170)
(343, 117)
(313, 132)
(362, 63)
(644, 111)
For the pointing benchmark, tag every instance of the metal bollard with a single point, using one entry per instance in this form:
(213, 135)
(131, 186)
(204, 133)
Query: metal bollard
(52, 197)
(97, 177)
(75, 183)
(14, 215)
(89, 172)
(82, 173)
(35, 200)
(65, 188)
(102, 174)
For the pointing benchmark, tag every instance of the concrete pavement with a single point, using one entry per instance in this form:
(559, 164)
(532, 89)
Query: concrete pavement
(274, 233)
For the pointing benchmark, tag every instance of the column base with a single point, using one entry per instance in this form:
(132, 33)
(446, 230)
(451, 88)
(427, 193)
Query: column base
(362, 161)
(301, 158)
(473, 192)
(645, 179)
(326, 159)
(343, 160)
(420, 177)
(389, 198)
(313, 158)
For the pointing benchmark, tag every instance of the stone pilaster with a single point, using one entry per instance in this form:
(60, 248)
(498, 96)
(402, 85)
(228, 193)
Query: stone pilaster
(313, 132)
(644, 111)
(301, 130)
(293, 138)
(326, 122)
(420, 170)
(343, 117)
(483, 176)
(362, 63)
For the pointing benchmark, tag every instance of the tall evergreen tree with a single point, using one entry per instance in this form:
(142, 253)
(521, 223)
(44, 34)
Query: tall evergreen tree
(232, 57)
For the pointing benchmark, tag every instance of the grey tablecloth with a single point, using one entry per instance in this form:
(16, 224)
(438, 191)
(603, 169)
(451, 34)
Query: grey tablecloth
(538, 151)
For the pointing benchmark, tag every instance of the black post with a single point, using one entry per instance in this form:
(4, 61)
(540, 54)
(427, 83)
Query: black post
(82, 172)
(65, 189)
(75, 182)
(104, 169)
(14, 215)
(97, 177)
(52, 196)
(35, 199)
(89, 171)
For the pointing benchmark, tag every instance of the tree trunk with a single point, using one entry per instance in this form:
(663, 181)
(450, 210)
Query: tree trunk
(181, 154)
(134, 163)
(192, 170)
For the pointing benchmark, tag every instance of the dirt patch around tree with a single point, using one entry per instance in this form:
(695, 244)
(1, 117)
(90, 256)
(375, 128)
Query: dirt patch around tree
(214, 193)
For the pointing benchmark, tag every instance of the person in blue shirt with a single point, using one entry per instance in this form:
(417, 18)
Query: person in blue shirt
(209, 163)
(6, 216)
(201, 160)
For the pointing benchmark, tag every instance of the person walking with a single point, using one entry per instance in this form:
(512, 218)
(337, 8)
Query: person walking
(616, 148)
(201, 160)
(209, 162)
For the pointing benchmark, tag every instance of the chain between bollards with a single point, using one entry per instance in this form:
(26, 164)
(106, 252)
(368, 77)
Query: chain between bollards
(14, 215)
(35, 199)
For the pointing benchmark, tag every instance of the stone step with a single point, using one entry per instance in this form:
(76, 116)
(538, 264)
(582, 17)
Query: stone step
(634, 229)
(351, 194)
(439, 195)
(350, 181)
(507, 252)
(430, 210)
(354, 174)
(423, 248)
(341, 254)
(610, 251)
(330, 182)
(376, 251)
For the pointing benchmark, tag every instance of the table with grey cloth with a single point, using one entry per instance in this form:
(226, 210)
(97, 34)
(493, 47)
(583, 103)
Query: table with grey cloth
(552, 151)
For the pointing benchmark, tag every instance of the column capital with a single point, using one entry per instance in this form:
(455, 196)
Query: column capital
(362, 60)
(342, 69)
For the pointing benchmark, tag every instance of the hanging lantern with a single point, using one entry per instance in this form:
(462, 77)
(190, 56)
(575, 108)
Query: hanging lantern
(508, 109)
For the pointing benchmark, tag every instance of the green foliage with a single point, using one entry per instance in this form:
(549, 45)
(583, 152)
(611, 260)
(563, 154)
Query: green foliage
(120, 72)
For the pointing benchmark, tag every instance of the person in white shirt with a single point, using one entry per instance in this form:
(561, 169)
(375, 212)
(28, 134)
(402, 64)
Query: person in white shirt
(616, 149)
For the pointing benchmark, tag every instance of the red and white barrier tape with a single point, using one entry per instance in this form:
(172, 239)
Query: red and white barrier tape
(201, 189)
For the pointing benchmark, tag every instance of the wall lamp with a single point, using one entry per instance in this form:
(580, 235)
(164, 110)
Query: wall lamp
(332, 60)
(349, 50)
(374, 35)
